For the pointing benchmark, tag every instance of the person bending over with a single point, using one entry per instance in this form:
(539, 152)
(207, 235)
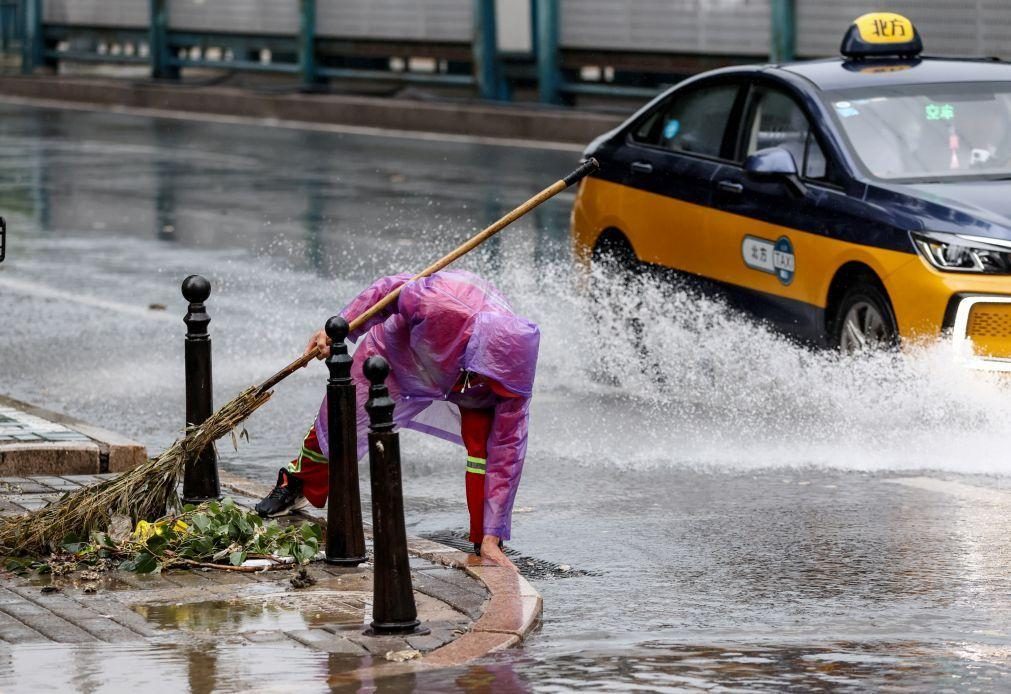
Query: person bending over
(462, 368)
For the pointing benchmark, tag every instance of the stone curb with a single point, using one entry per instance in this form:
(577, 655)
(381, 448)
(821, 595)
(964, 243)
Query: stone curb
(471, 118)
(512, 611)
(107, 451)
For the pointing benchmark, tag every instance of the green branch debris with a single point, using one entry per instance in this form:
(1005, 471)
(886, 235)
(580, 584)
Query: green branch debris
(219, 535)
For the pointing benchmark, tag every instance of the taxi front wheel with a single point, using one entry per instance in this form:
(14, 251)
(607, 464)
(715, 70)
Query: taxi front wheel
(864, 321)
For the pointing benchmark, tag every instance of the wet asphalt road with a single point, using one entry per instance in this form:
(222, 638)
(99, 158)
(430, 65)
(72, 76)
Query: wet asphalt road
(760, 518)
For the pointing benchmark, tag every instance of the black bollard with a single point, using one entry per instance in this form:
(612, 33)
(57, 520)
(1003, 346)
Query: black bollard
(345, 537)
(200, 478)
(393, 608)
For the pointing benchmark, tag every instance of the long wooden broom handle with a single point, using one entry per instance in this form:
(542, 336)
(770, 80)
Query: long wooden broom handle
(585, 169)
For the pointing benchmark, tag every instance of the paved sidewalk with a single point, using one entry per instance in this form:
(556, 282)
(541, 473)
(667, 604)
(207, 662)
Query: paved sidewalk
(469, 612)
(36, 441)
(16, 425)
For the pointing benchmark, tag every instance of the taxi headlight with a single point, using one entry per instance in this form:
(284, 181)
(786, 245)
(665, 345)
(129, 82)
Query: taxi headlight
(964, 253)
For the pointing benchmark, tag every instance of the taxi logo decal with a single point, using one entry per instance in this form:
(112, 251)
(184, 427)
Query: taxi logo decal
(773, 257)
(884, 27)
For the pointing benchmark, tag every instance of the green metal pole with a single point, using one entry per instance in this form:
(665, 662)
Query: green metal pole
(6, 12)
(783, 47)
(549, 69)
(33, 44)
(487, 67)
(307, 43)
(158, 48)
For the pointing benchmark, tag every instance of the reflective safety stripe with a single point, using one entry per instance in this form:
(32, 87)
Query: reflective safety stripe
(312, 455)
(476, 464)
(304, 452)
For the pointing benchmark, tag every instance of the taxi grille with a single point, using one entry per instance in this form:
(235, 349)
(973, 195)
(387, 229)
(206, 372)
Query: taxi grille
(989, 328)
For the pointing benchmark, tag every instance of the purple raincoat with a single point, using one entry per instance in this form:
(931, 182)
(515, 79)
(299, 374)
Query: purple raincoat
(441, 326)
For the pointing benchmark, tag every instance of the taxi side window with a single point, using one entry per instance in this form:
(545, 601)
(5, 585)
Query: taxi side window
(777, 121)
(694, 122)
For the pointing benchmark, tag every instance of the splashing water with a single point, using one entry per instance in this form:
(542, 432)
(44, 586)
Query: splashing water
(696, 382)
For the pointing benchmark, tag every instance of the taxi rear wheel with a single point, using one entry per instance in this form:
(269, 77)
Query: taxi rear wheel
(864, 321)
(614, 265)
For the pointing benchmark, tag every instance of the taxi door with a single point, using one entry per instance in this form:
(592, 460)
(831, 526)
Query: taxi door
(766, 239)
(666, 168)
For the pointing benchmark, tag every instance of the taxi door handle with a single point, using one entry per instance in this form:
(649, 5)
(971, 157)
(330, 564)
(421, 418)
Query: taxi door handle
(730, 186)
(643, 167)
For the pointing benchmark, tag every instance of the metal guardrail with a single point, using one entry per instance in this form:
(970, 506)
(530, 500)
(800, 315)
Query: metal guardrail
(320, 40)
(626, 48)
(301, 37)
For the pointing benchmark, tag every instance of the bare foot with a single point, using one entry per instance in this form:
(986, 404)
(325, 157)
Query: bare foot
(490, 551)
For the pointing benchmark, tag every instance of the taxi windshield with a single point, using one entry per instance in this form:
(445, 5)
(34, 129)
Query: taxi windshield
(929, 131)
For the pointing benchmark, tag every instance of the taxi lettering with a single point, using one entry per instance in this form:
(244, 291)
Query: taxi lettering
(773, 257)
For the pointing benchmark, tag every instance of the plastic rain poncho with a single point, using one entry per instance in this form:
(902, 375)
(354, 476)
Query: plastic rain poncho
(439, 327)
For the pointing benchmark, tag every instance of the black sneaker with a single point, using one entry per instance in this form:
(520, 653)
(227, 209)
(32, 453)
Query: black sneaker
(284, 498)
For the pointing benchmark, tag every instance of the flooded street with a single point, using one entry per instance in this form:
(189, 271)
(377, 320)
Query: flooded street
(743, 514)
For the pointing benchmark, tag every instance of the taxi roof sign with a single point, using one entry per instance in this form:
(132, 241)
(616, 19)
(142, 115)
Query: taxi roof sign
(881, 34)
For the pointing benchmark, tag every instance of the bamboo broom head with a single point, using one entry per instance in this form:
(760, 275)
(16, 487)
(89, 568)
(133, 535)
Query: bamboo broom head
(145, 492)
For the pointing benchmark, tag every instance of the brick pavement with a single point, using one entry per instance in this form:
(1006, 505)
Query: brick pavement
(258, 607)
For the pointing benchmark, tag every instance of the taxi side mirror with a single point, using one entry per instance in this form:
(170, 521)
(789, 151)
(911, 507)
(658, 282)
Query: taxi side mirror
(775, 164)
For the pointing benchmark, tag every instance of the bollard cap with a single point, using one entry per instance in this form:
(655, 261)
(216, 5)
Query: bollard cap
(336, 329)
(376, 370)
(380, 405)
(196, 289)
(339, 362)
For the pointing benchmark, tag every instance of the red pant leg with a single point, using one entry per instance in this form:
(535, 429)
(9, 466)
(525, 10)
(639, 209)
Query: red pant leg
(475, 425)
(311, 469)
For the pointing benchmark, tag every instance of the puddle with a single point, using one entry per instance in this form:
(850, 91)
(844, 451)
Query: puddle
(227, 666)
(278, 611)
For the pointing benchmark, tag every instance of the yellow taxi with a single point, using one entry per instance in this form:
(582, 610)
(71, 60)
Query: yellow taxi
(854, 202)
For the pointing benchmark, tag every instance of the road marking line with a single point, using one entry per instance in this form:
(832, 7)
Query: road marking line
(293, 124)
(46, 292)
(969, 492)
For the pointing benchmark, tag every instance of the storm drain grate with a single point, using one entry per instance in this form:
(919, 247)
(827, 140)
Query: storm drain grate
(530, 567)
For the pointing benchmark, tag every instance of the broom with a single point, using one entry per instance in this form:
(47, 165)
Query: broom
(146, 491)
